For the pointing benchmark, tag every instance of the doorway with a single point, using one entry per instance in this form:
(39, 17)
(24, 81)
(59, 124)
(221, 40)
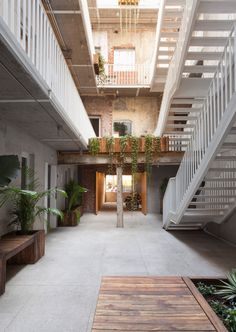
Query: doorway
(106, 191)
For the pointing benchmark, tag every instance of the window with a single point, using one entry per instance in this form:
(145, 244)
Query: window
(95, 121)
(124, 59)
(122, 128)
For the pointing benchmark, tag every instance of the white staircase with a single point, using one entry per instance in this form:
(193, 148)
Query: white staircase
(204, 188)
(167, 33)
(198, 113)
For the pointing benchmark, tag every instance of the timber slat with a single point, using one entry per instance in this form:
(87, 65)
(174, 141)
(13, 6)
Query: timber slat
(149, 304)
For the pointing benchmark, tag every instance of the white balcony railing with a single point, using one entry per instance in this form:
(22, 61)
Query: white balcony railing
(210, 131)
(28, 22)
(125, 75)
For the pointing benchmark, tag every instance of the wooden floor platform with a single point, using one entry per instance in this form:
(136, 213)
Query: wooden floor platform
(150, 304)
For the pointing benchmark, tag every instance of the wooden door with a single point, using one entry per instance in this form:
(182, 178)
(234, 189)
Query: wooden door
(100, 179)
(97, 193)
(144, 192)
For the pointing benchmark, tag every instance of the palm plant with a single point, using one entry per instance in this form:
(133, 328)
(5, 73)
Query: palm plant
(228, 288)
(26, 204)
(74, 193)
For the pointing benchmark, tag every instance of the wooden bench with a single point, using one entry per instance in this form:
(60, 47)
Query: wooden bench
(20, 249)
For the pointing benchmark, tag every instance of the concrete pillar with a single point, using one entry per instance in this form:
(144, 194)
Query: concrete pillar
(120, 214)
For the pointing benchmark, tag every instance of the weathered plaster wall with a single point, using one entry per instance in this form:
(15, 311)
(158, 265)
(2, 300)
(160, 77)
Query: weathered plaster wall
(142, 41)
(142, 111)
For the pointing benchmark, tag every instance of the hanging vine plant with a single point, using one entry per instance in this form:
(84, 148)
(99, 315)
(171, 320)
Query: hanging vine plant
(156, 144)
(123, 146)
(134, 154)
(94, 146)
(149, 152)
(110, 142)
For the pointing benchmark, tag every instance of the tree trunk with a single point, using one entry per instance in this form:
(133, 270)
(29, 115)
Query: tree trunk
(120, 216)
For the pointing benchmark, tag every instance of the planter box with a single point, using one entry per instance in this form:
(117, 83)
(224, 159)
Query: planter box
(32, 253)
(215, 320)
(164, 145)
(71, 218)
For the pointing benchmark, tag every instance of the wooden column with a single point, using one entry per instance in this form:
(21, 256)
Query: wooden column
(120, 217)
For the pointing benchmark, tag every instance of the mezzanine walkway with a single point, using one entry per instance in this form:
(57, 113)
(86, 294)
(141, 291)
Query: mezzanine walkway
(60, 292)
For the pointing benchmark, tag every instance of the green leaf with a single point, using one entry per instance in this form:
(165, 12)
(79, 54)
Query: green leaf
(9, 168)
(54, 211)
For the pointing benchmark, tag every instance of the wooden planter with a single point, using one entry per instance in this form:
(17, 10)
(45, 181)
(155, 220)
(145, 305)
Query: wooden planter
(32, 253)
(164, 145)
(215, 320)
(70, 218)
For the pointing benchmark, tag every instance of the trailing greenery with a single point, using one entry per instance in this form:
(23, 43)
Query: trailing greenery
(26, 204)
(157, 144)
(9, 168)
(134, 154)
(110, 141)
(94, 146)
(152, 146)
(149, 152)
(123, 146)
(228, 288)
(74, 194)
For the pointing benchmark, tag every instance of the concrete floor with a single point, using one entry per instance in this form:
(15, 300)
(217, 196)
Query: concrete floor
(59, 293)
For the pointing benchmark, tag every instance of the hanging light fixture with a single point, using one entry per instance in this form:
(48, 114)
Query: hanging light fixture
(129, 16)
(128, 2)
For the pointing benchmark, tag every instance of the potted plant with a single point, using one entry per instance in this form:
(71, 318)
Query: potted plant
(74, 209)
(26, 208)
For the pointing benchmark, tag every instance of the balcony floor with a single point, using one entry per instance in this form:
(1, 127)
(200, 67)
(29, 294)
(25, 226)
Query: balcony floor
(59, 293)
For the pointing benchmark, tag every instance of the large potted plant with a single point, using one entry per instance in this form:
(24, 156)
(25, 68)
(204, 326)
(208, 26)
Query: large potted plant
(74, 208)
(26, 208)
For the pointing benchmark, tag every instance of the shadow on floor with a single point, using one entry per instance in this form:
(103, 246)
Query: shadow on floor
(208, 247)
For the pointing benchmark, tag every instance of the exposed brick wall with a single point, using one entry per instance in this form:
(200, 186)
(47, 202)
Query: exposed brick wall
(142, 111)
(102, 107)
(87, 178)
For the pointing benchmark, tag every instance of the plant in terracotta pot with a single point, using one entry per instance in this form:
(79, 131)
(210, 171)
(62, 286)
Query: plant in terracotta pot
(73, 210)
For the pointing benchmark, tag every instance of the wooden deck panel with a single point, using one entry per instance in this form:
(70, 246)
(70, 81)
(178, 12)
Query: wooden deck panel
(149, 304)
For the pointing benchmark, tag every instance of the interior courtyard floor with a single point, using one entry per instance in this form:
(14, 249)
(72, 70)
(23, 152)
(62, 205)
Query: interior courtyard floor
(59, 293)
